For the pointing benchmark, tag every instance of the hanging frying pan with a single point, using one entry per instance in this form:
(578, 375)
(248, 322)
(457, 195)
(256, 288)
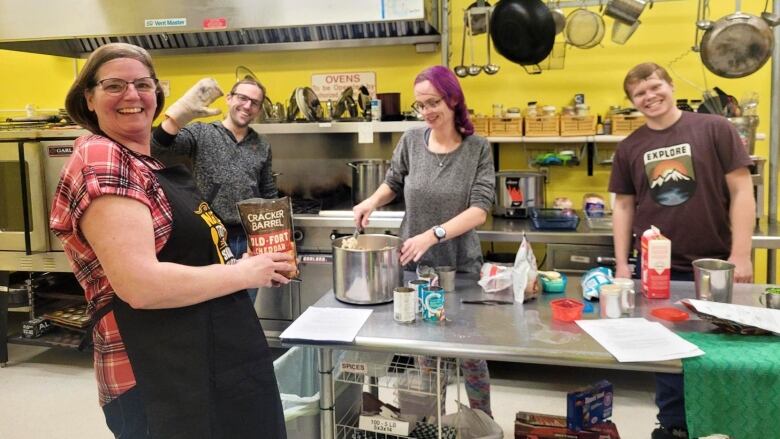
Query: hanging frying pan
(523, 31)
(738, 44)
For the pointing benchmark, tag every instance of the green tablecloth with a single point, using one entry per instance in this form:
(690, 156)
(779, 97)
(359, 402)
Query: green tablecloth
(734, 388)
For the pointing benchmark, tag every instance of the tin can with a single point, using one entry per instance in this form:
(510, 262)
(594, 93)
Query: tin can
(433, 303)
(417, 285)
(404, 304)
(376, 109)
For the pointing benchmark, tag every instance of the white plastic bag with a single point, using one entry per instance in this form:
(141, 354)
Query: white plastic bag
(473, 424)
(521, 277)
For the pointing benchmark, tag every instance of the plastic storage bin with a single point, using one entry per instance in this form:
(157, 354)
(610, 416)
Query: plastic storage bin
(554, 219)
(600, 222)
(299, 388)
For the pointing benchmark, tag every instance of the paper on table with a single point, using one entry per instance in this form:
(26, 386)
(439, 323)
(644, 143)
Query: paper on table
(764, 318)
(327, 324)
(637, 339)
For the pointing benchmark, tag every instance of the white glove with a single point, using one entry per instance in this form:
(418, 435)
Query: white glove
(195, 102)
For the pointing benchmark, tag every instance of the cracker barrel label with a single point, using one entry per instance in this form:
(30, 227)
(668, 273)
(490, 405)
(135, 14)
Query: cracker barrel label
(268, 227)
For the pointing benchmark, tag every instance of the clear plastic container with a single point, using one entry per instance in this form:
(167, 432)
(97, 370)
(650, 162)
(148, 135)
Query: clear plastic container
(554, 219)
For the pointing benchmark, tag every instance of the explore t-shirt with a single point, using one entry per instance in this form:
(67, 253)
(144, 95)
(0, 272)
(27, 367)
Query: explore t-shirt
(678, 176)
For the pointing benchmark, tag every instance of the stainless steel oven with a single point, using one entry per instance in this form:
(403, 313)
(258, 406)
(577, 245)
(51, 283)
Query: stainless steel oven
(22, 199)
(33, 187)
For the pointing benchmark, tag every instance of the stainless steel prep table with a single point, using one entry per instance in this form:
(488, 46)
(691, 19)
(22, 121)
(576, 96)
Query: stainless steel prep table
(499, 332)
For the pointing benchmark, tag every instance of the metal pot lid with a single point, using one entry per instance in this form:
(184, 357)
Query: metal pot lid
(737, 45)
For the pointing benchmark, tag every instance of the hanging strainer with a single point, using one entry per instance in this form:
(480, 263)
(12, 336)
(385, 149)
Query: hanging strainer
(584, 29)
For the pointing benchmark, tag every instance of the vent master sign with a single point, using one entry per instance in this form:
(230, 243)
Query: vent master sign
(165, 22)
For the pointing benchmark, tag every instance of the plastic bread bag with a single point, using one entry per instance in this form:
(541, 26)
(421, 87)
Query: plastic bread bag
(521, 277)
(592, 281)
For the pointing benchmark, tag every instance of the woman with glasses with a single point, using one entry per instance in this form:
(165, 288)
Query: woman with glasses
(172, 354)
(445, 174)
(230, 161)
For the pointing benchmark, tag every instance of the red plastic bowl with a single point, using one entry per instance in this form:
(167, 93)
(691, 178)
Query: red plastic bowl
(566, 310)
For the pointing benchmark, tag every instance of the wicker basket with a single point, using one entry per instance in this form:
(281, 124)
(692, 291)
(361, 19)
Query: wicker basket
(506, 127)
(542, 126)
(578, 125)
(481, 126)
(624, 125)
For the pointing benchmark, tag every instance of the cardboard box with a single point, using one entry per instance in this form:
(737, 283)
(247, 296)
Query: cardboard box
(656, 264)
(589, 406)
(540, 426)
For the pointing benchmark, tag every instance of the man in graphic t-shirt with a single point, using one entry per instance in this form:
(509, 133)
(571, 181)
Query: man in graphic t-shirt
(687, 174)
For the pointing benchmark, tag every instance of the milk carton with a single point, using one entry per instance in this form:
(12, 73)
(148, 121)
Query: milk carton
(656, 264)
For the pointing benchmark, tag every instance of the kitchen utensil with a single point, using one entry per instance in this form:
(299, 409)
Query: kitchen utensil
(446, 275)
(737, 44)
(489, 68)
(523, 31)
(714, 279)
(770, 298)
(558, 17)
(584, 28)
(473, 69)
(670, 314)
(368, 274)
(566, 310)
(626, 11)
(367, 176)
(621, 32)
(391, 106)
(461, 70)
(517, 191)
(487, 302)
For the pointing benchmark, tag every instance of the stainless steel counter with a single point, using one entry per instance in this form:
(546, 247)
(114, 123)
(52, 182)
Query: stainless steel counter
(516, 333)
(521, 333)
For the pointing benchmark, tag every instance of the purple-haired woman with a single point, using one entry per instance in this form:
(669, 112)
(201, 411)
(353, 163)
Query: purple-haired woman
(445, 173)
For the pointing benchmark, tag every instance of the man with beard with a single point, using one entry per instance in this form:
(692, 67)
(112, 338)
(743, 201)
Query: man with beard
(230, 161)
(687, 174)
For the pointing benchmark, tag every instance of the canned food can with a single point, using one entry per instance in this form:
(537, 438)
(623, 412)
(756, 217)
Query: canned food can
(417, 285)
(404, 304)
(433, 303)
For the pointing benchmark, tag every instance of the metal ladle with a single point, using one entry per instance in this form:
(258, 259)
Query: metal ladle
(473, 69)
(461, 70)
(489, 68)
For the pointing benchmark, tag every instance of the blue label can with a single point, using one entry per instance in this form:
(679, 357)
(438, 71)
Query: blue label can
(433, 303)
(417, 285)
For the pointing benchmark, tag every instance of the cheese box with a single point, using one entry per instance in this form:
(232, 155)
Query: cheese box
(589, 406)
(541, 426)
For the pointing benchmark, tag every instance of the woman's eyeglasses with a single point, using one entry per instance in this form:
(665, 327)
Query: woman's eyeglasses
(116, 86)
(430, 104)
(243, 99)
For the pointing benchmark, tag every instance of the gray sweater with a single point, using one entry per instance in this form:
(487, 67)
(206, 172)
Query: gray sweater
(435, 194)
(225, 171)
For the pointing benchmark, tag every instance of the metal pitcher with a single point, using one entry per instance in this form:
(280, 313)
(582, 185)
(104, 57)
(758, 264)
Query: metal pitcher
(714, 279)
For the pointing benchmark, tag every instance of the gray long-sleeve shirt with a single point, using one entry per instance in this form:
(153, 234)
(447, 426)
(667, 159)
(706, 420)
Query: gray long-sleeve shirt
(225, 171)
(435, 194)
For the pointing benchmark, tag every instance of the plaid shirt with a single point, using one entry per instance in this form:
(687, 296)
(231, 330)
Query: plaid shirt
(100, 166)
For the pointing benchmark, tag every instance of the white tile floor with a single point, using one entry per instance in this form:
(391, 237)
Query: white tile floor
(50, 393)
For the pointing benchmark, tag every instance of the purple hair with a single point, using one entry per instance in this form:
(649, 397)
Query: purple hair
(446, 83)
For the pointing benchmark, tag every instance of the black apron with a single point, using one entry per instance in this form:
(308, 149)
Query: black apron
(203, 371)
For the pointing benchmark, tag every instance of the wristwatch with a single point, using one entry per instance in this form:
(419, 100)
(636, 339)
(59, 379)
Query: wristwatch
(439, 233)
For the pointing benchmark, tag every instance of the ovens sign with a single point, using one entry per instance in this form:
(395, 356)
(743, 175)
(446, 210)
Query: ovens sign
(60, 150)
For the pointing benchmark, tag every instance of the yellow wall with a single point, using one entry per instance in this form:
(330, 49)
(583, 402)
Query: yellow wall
(665, 36)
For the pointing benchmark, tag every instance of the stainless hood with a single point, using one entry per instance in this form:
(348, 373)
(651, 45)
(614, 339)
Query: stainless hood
(75, 28)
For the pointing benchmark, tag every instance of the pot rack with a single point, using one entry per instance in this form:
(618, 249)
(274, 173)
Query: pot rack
(774, 110)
